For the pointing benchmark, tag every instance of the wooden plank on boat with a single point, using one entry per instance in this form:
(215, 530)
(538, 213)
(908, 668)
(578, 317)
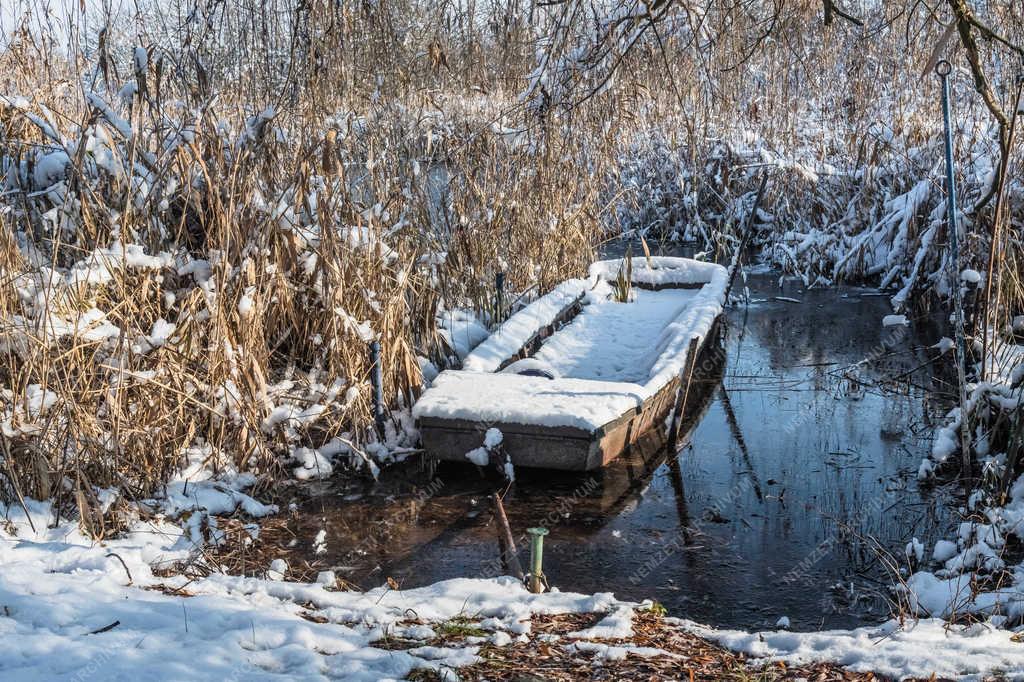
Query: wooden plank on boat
(537, 340)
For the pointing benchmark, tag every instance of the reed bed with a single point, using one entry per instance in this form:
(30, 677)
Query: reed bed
(208, 211)
(182, 271)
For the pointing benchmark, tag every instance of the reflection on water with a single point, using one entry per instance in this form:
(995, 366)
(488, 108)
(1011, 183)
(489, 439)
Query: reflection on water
(799, 465)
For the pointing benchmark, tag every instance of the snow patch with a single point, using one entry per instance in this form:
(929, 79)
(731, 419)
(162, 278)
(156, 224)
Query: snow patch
(895, 321)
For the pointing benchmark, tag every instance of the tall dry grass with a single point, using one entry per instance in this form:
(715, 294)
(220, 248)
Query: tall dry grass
(198, 245)
(303, 177)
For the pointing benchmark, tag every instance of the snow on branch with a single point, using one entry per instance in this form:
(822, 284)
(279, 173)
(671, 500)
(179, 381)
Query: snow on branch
(583, 46)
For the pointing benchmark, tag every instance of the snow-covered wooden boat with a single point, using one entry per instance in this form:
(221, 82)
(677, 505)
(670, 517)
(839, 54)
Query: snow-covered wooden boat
(575, 378)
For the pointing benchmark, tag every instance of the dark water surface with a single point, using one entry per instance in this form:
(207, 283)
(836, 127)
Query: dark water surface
(796, 481)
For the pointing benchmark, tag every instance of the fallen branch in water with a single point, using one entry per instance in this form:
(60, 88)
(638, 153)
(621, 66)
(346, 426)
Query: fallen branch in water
(505, 540)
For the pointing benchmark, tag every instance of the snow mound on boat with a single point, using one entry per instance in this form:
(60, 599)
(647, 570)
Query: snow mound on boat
(664, 271)
(521, 327)
(516, 399)
(613, 341)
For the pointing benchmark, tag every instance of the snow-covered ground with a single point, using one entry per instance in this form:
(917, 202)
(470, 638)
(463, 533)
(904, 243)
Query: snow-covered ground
(75, 609)
(917, 649)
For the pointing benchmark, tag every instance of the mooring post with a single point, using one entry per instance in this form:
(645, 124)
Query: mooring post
(943, 69)
(537, 558)
(679, 406)
(499, 296)
(377, 382)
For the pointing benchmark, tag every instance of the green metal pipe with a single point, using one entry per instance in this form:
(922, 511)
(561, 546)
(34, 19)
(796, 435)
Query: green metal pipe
(537, 558)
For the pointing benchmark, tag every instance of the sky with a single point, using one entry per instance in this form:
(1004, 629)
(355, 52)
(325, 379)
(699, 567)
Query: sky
(57, 16)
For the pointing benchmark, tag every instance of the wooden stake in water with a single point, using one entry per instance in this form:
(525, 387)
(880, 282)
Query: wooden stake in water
(679, 407)
(943, 69)
(505, 539)
(499, 298)
(748, 232)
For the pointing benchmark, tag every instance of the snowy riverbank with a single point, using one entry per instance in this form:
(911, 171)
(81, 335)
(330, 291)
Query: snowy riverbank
(76, 609)
(978, 572)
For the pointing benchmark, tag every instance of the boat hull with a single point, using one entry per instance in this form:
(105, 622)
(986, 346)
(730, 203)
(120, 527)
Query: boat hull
(558, 447)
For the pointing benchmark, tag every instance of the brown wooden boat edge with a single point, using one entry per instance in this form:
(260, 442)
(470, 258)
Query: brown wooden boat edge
(648, 286)
(545, 447)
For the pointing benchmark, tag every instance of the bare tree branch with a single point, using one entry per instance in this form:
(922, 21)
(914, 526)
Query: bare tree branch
(832, 9)
(966, 24)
